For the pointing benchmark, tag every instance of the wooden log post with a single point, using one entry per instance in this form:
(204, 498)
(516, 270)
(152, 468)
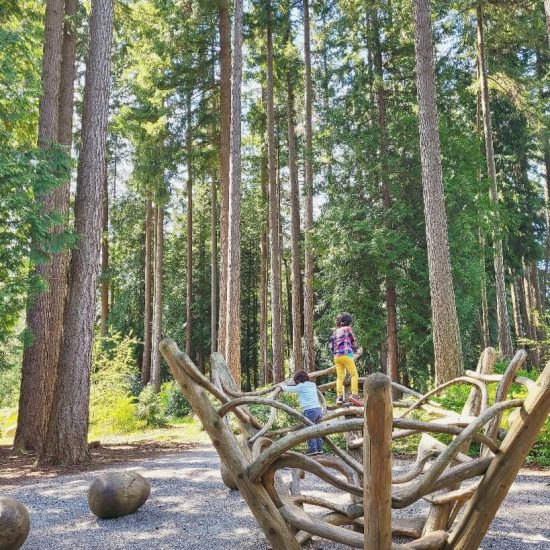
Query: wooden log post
(472, 526)
(377, 462)
(190, 381)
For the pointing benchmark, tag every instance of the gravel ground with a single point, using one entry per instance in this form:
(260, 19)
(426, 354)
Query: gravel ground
(190, 509)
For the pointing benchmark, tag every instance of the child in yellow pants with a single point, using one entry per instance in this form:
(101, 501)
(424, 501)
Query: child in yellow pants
(342, 346)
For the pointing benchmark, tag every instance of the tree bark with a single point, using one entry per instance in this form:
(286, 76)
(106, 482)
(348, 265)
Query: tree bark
(485, 335)
(547, 212)
(214, 266)
(446, 332)
(225, 152)
(274, 243)
(547, 11)
(45, 311)
(516, 310)
(189, 277)
(391, 295)
(309, 297)
(148, 306)
(66, 440)
(105, 259)
(266, 372)
(233, 317)
(294, 225)
(504, 333)
(156, 331)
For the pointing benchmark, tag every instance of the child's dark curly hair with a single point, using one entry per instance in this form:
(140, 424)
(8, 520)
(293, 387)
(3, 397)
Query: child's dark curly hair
(301, 376)
(344, 320)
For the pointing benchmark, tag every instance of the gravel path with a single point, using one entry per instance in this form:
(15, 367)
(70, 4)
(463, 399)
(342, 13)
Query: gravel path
(190, 509)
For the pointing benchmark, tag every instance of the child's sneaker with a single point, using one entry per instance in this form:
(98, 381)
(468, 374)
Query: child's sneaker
(355, 400)
(339, 401)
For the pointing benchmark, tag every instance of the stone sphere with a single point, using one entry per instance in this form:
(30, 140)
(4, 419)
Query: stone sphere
(116, 494)
(14, 524)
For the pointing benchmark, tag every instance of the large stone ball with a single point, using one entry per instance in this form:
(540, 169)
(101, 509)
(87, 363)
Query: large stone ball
(116, 494)
(14, 524)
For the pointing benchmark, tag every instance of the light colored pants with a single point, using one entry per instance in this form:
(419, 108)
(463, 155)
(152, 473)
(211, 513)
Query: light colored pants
(344, 363)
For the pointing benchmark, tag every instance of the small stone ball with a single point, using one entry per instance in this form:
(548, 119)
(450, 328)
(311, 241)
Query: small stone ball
(116, 494)
(14, 524)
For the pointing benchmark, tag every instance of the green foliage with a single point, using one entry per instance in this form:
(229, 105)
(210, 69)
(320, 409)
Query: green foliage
(8, 418)
(112, 405)
(9, 384)
(150, 409)
(173, 402)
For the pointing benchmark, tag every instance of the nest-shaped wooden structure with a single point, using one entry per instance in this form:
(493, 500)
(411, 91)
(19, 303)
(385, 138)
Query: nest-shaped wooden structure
(463, 492)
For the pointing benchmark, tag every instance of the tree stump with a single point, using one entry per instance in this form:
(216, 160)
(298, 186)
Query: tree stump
(14, 524)
(117, 494)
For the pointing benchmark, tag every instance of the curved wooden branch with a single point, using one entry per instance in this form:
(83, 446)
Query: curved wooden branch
(441, 387)
(451, 496)
(444, 459)
(403, 496)
(257, 498)
(262, 463)
(317, 501)
(472, 526)
(314, 466)
(493, 425)
(271, 420)
(420, 426)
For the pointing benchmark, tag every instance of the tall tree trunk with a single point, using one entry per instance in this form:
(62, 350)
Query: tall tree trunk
(516, 308)
(214, 266)
(66, 441)
(233, 308)
(225, 153)
(446, 332)
(105, 259)
(547, 11)
(391, 294)
(547, 211)
(504, 333)
(148, 306)
(485, 335)
(45, 311)
(524, 308)
(530, 315)
(274, 243)
(189, 278)
(294, 224)
(266, 377)
(309, 298)
(156, 330)
(201, 268)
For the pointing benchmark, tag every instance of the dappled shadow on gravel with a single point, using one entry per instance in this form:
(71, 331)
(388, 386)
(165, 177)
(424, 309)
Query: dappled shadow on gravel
(190, 509)
(17, 468)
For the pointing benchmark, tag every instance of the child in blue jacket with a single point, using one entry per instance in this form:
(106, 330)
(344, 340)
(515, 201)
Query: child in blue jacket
(309, 401)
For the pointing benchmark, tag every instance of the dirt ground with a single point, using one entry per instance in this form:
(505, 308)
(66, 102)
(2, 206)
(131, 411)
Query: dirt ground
(17, 468)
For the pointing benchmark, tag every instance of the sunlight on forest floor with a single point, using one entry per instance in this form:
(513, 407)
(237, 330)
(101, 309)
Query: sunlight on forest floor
(188, 430)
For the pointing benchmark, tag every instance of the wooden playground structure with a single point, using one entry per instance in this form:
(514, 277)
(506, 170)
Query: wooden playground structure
(464, 492)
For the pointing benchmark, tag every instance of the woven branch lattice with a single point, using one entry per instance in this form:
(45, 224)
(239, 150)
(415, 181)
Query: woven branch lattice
(459, 514)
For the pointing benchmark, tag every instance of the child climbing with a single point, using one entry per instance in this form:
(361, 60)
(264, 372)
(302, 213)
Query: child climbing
(342, 347)
(309, 401)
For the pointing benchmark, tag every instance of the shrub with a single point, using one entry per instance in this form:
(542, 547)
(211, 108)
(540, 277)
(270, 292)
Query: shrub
(173, 402)
(149, 408)
(112, 406)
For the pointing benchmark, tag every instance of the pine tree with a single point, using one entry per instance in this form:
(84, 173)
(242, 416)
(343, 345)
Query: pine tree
(67, 433)
(446, 334)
